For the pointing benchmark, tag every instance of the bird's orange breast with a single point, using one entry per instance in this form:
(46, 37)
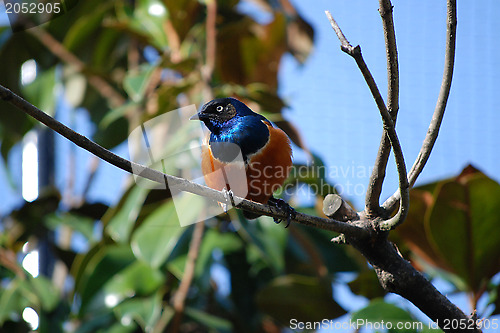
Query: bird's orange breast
(264, 172)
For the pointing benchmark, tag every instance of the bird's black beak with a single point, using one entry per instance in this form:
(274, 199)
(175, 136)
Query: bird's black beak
(202, 116)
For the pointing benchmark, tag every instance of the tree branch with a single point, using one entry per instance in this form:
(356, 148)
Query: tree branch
(388, 123)
(164, 179)
(437, 117)
(398, 276)
(394, 272)
(210, 49)
(187, 277)
(372, 201)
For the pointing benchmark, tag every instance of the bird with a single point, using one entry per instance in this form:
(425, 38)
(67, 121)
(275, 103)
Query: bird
(244, 154)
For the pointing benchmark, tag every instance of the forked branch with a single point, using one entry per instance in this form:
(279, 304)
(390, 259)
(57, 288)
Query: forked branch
(437, 117)
(388, 124)
(372, 201)
(394, 272)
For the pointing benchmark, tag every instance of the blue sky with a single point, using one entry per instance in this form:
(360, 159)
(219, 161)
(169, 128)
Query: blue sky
(332, 106)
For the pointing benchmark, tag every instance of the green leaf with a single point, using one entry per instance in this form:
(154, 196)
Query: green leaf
(38, 293)
(117, 113)
(146, 19)
(137, 279)
(112, 135)
(213, 239)
(145, 311)
(12, 300)
(267, 98)
(75, 85)
(106, 43)
(300, 38)
(310, 246)
(367, 284)
(136, 82)
(15, 50)
(452, 224)
(210, 321)
(41, 92)
(47, 294)
(120, 328)
(83, 225)
(86, 27)
(298, 297)
(413, 232)
(157, 235)
(176, 266)
(120, 220)
(266, 242)
(427, 329)
(100, 320)
(167, 94)
(312, 174)
(226, 242)
(378, 310)
(99, 266)
(464, 227)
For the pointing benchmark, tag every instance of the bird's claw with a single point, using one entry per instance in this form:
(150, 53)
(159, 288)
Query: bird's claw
(282, 205)
(229, 196)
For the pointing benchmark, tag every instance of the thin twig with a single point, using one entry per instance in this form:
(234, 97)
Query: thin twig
(92, 170)
(437, 117)
(343, 41)
(211, 37)
(211, 49)
(194, 247)
(187, 277)
(101, 86)
(372, 201)
(388, 123)
(164, 179)
(386, 10)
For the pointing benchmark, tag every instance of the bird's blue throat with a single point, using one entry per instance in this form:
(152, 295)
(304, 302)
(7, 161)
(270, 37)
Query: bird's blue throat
(248, 133)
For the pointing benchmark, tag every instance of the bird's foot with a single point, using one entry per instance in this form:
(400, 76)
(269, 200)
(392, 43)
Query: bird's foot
(282, 205)
(228, 195)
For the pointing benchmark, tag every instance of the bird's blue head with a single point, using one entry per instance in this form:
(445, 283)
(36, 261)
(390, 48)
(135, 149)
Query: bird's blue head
(219, 114)
(230, 120)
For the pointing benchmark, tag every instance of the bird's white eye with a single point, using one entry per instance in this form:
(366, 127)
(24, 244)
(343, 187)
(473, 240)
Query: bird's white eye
(219, 108)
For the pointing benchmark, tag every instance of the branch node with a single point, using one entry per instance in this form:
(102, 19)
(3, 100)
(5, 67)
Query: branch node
(340, 239)
(386, 11)
(386, 225)
(335, 207)
(356, 50)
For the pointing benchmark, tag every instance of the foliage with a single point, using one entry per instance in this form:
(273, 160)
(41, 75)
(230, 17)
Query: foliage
(451, 227)
(250, 275)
